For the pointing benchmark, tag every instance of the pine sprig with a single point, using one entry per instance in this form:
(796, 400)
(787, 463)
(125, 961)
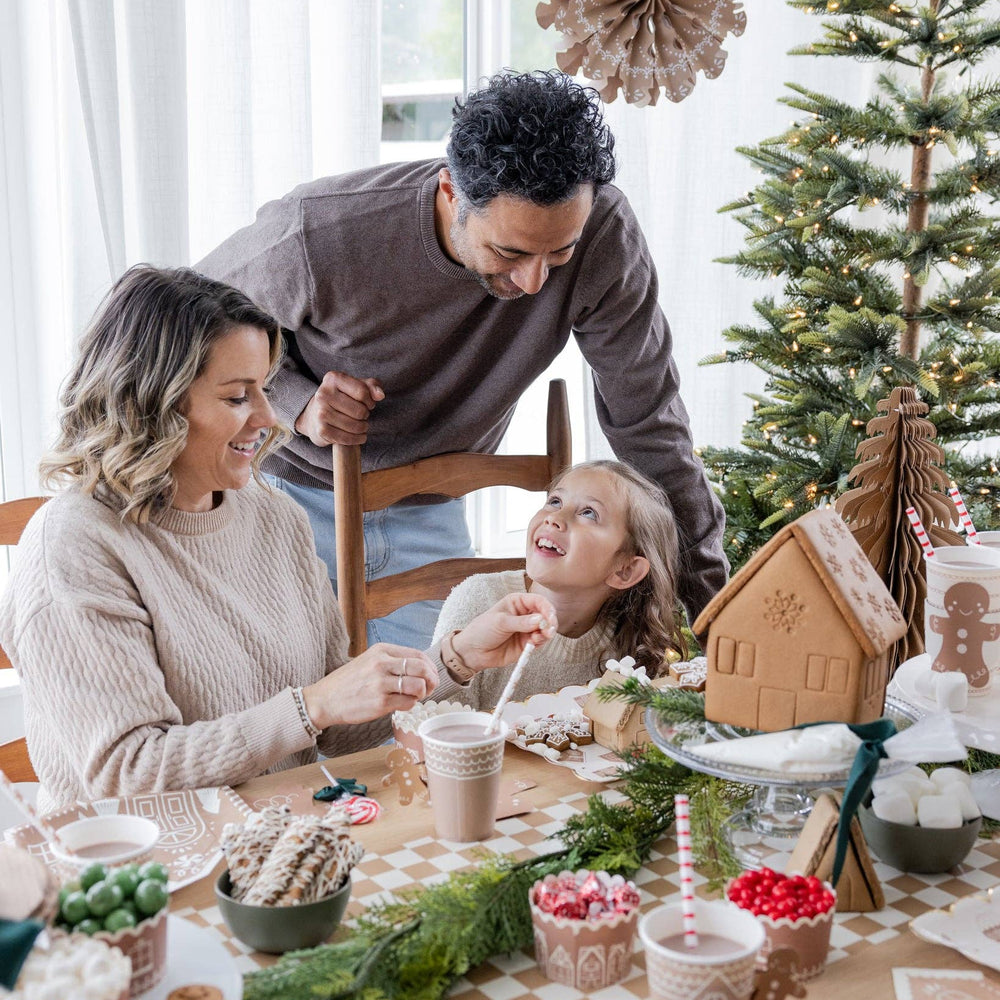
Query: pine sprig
(671, 704)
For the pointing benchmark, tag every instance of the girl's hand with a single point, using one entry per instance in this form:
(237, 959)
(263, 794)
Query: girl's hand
(496, 637)
(384, 678)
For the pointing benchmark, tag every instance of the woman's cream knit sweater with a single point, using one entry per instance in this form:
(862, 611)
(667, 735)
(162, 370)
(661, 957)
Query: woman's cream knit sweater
(163, 656)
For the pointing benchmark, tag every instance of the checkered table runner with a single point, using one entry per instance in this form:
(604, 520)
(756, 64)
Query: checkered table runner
(511, 977)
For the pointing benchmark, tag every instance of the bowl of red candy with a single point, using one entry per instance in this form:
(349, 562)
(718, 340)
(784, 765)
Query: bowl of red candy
(584, 926)
(796, 911)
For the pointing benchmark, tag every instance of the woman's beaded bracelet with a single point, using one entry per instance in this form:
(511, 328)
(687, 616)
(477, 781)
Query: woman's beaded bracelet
(300, 703)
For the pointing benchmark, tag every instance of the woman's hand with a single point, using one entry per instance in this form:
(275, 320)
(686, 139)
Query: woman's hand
(383, 679)
(496, 637)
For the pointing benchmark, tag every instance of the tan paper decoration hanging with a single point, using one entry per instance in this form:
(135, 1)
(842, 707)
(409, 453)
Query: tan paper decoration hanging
(899, 468)
(639, 46)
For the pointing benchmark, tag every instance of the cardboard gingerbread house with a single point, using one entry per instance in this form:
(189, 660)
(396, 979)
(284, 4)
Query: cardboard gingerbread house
(617, 724)
(802, 633)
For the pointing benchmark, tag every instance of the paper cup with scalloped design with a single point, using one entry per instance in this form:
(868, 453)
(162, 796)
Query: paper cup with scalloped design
(586, 955)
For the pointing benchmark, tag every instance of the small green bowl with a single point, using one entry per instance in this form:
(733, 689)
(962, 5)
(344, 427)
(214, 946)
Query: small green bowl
(921, 849)
(277, 929)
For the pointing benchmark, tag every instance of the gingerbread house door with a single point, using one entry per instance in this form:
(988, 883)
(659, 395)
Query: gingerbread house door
(775, 709)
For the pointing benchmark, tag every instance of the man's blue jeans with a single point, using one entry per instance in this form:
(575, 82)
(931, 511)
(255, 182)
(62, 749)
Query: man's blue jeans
(396, 539)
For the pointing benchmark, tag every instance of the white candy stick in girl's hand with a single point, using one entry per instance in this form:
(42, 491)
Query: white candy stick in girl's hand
(515, 676)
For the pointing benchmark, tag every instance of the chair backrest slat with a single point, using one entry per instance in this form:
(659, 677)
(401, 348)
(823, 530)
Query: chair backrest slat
(454, 475)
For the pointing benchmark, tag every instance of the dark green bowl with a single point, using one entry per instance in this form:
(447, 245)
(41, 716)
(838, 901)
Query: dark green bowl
(277, 929)
(919, 849)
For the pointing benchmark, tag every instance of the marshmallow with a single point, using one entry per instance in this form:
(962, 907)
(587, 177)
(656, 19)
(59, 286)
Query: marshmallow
(945, 776)
(895, 807)
(966, 800)
(913, 781)
(941, 812)
(951, 691)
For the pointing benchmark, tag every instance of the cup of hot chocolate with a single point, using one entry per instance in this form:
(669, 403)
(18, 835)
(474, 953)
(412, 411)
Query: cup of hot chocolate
(962, 613)
(463, 773)
(721, 966)
(111, 840)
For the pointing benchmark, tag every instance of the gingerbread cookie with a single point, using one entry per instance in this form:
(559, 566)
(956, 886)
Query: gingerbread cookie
(559, 732)
(690, 674)
(405, 774)
(779, 979)
(195, 992)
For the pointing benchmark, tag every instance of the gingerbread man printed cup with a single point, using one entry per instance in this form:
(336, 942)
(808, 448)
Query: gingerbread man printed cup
(962, 613)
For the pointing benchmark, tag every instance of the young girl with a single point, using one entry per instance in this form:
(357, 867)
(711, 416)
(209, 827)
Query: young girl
(603, 551)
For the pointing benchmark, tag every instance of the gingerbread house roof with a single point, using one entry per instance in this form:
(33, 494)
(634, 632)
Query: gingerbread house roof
(863, 600)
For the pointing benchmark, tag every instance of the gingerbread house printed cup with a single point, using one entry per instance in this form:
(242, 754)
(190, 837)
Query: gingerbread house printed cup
(721, 967)
(463, 773)
(581, 944)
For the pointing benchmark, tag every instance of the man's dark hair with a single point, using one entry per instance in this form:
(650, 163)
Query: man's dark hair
(531, 135)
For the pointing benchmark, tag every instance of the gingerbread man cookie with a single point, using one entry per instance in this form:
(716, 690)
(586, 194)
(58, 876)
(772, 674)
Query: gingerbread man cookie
(780, 978)
(403, 772)
(195, 992)
(963, 633)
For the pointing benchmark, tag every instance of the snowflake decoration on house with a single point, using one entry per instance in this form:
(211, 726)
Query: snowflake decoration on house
(641, 46)
(785, 612)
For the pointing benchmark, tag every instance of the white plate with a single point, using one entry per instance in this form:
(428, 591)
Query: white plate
(194, 956)
(591, 762)
(978, 725)
(971, 926)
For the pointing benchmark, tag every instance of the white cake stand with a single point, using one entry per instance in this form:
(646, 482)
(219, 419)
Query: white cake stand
(772, 820)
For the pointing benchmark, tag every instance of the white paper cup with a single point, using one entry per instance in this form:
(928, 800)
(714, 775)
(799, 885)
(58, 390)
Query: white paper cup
(682, 974)
(127, 839)
(953, 564)
(989, 539)
(463, 778)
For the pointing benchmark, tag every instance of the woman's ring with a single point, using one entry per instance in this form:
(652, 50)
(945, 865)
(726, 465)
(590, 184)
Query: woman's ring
(400, 683)
(404, 666)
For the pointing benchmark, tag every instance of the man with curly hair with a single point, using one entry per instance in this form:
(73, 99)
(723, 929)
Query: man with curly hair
(421, 299)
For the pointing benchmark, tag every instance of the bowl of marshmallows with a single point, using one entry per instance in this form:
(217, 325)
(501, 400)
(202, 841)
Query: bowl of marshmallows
(922, 823)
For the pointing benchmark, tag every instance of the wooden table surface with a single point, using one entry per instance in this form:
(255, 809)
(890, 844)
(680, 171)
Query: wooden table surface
(863, 973)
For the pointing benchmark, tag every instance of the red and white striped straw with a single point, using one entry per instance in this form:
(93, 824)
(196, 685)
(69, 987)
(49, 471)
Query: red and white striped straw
(918, 530)
(45, 829)
(682, 815)
(971, 537)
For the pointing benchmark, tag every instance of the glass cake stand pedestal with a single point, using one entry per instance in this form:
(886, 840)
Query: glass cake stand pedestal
(770, 823)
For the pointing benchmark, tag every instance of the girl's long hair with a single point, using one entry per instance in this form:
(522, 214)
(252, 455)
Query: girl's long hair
(121, 422)
(642, 620)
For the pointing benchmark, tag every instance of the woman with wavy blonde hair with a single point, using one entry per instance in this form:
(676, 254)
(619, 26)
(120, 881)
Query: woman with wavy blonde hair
(167, 613)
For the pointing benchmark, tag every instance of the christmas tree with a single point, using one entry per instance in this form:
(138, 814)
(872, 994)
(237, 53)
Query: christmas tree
(878, 221)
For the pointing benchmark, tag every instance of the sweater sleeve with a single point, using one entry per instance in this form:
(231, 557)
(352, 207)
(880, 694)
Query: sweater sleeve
(267, 262)
(97, 674)
(626, 340)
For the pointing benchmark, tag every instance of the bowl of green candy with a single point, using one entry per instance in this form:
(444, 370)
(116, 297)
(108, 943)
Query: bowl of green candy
(126, 907)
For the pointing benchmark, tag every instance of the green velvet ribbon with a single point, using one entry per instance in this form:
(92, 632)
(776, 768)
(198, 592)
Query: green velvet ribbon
(17, 938)
(873, 736)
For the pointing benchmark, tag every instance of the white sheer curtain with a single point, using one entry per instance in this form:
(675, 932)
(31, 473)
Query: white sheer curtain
(149, 130)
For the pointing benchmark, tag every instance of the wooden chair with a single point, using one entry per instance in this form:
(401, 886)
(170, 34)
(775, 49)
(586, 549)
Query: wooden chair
(14, 515)
(454, 475)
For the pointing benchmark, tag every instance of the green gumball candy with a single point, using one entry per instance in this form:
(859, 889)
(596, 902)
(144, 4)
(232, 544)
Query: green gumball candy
(150, 896)
(74, 907)
(118, 920)
(103, 897)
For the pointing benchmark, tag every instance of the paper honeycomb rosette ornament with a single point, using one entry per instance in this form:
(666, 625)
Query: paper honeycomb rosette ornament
(899, 468)
(641, 46)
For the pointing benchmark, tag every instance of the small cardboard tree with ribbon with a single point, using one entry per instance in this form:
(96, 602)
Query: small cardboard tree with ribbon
(900, 468)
